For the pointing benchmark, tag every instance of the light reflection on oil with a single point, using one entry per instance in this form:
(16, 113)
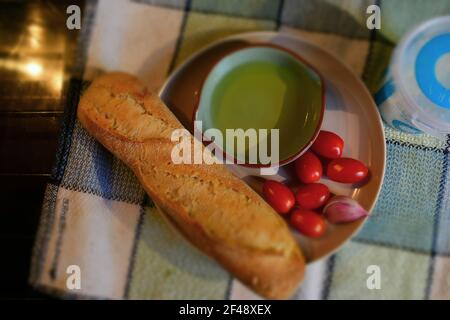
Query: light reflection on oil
(49, 74)
(33, 69)
(37, 53)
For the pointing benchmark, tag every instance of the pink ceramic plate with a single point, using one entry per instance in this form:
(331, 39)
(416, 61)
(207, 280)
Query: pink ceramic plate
(350, 112)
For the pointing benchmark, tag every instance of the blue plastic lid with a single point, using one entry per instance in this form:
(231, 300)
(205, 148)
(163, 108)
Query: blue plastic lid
(421, 73)
(427, 72)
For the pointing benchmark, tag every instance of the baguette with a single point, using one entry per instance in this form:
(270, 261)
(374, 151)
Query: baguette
(211, 207)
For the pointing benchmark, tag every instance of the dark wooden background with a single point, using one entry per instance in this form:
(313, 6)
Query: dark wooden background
(36, 55)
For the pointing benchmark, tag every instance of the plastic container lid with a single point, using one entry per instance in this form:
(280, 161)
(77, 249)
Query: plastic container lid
(421, 71)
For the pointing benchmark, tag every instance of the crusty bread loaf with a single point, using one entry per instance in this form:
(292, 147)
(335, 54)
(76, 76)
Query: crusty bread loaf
(215, 210)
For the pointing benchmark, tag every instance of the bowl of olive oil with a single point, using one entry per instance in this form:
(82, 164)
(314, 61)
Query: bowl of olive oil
(259, 89)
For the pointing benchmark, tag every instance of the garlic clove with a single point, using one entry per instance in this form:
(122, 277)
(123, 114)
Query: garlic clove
(341, 209)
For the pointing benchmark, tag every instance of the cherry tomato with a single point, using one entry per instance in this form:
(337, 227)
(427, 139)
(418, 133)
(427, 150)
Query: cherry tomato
(312, 195)
(347, 170)
(328, 145)
(308, 223)
(278, 196)
(308, 168)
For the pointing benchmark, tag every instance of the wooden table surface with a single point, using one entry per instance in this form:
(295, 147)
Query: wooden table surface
(36, 54)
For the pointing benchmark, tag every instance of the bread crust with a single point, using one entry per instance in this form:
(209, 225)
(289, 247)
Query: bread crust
(211, 207)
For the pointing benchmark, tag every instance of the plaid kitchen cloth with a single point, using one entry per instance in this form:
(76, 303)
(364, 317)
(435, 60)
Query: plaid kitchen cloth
(96, 216)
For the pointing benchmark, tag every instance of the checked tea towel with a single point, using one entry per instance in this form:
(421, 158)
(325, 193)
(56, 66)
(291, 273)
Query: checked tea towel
(95, 214)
